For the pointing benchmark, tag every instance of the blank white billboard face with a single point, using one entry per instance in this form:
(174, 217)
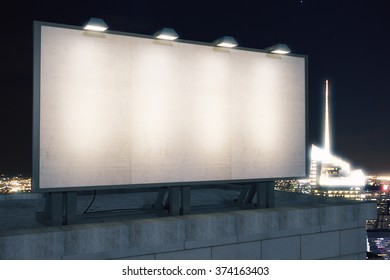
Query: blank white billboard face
(124, 110)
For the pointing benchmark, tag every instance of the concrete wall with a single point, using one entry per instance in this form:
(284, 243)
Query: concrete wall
(310, 230)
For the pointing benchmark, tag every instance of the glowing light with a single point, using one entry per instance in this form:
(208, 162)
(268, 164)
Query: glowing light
(280, 52)
(167, 34)
(327, 133)
(328, 170)
(226, 42)
(279, 49)
(96, 24)
(226, 45)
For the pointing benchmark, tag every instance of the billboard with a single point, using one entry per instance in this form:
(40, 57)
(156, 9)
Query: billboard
(118, 109)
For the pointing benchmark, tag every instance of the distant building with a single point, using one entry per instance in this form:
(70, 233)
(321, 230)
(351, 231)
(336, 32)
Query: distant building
(329, 172)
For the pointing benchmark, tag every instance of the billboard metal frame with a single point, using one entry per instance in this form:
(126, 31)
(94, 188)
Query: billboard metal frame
(36, 121)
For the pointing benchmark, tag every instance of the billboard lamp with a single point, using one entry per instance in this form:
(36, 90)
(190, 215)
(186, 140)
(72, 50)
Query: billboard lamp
(226, 42)
(96, 24)
(166, 34)
(279, 49)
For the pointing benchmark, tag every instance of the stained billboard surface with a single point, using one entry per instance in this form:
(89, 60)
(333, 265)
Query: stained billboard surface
(119, 109)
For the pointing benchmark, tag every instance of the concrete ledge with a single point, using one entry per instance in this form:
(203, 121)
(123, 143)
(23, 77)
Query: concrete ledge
(252, 224)
(21, 196)
(287, 248)
(194, 254)
(154, 232)
(94, 238)
(206, 230)
(320, 245)
(142, 257)
(238, 251)
(350, 241)
(308, 230)
(45, 245)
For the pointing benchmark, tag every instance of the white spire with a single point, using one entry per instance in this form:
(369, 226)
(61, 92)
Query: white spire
(327, 129)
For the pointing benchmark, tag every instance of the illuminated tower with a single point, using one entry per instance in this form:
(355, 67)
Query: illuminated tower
(326, 127)
(328, 170)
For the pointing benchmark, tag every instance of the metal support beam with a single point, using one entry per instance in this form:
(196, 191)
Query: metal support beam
(174, 201)
(261, 194)
(159, 203)
(251, 194)
(60, 209)
(265, 194)
(177, 202)
(185, 200)
(57, 207)
(71, 207)
(242, 198)
(270, 194)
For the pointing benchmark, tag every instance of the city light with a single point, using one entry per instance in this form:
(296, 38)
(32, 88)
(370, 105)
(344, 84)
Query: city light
(14, 184)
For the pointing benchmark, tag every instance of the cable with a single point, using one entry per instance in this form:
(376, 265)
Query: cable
(116, 210)
(89, 206)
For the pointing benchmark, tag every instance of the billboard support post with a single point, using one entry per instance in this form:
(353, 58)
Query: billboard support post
(185, 200)
(265, 194)
(242, 199)
(60, 209)
(263, 191)
(174, 201)
(158, 204)
(178, 201)
(71, 206)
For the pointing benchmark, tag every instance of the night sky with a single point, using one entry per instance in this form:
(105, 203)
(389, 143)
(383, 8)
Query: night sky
(347, 42)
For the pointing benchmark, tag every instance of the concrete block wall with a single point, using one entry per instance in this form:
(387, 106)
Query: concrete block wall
(308, 231)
